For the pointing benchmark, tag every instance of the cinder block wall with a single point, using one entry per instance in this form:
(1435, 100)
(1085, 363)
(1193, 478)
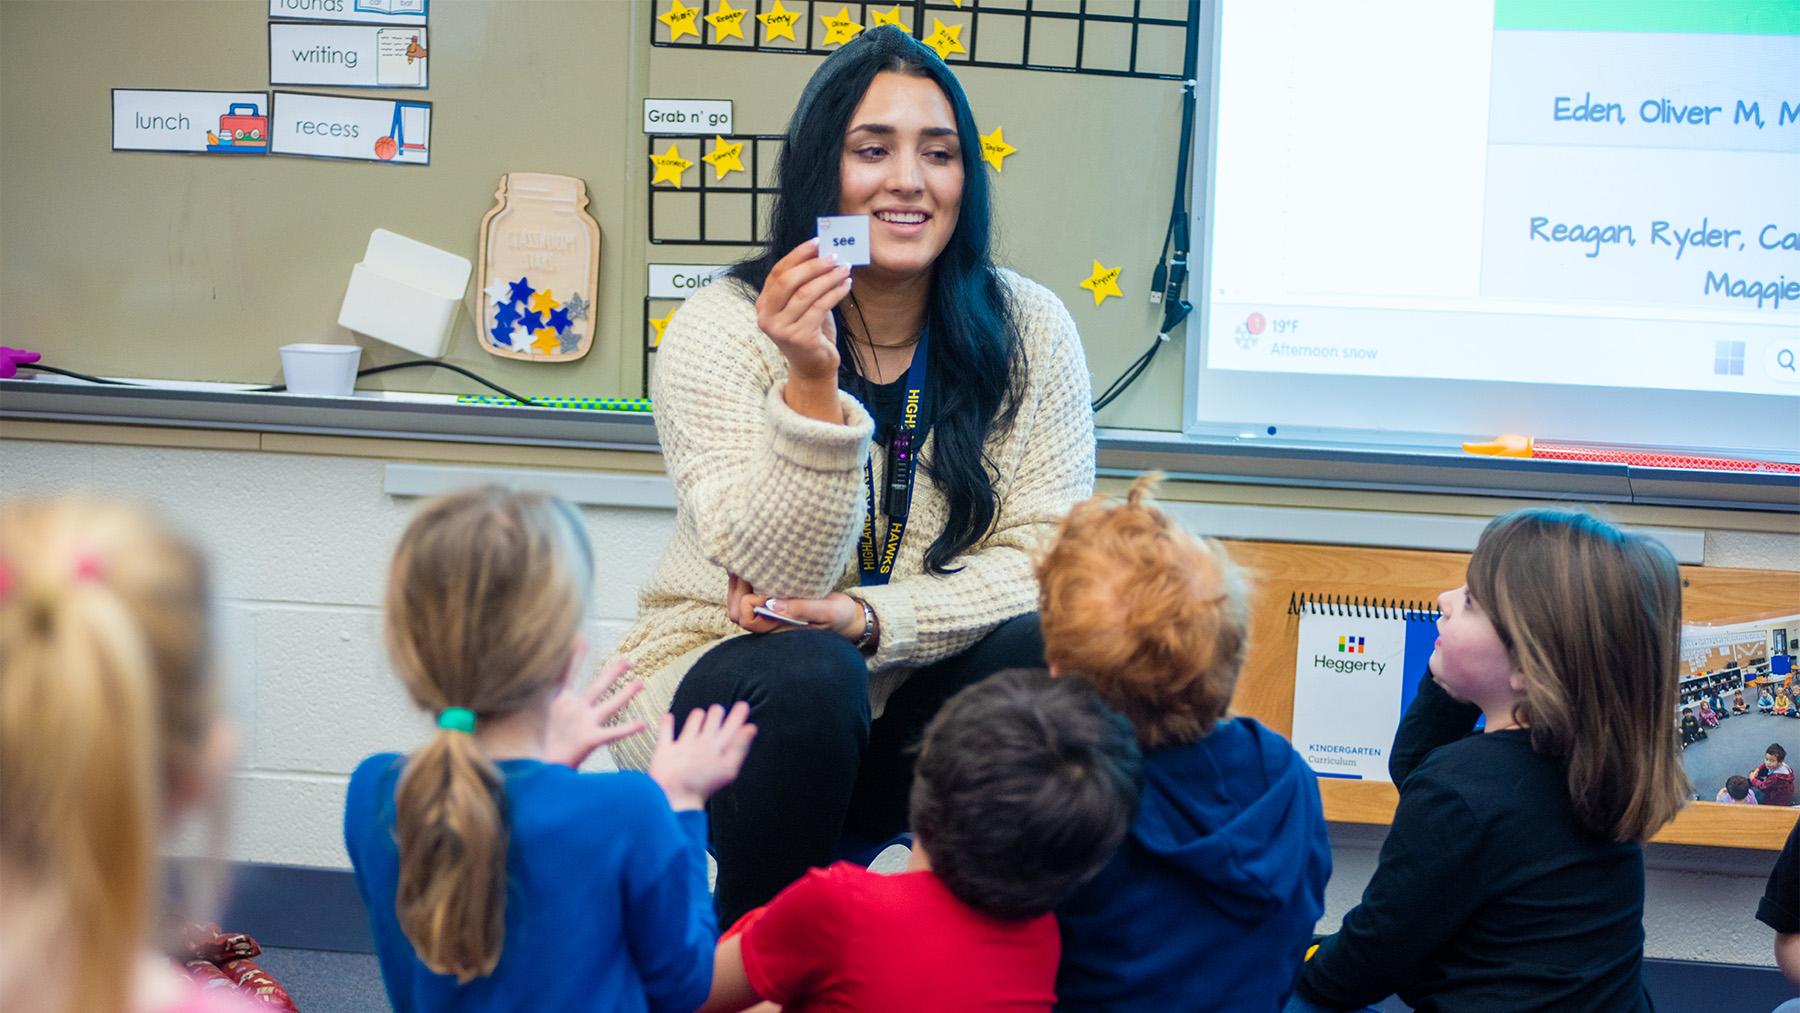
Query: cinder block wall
(300, 546)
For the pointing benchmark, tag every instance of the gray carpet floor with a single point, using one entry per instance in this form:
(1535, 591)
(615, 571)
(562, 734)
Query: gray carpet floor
(322, 981)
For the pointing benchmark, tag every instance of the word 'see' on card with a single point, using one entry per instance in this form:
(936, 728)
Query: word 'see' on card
(845, 237)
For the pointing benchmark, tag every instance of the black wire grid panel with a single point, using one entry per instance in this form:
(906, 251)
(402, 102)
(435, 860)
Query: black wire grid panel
(711, 225)
(1066, 31)
(725, 212)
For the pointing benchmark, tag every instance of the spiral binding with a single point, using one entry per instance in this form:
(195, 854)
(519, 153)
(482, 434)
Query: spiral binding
(1360, 607)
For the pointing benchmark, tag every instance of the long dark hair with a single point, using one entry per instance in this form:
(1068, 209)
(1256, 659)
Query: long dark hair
(976, 350)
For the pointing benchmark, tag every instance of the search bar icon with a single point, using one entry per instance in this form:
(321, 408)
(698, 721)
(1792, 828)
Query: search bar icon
(1781, 360)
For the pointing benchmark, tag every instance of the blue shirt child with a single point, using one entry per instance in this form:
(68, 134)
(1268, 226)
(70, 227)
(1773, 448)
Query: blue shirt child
(606, 903)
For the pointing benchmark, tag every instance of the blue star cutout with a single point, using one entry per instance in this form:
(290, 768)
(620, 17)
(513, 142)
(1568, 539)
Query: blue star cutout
(502, 334)
(559, 319)
(532, 321)
(522, 290)
(506, 315)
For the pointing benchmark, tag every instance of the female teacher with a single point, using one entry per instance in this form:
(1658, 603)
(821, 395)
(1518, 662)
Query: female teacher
(874, 452)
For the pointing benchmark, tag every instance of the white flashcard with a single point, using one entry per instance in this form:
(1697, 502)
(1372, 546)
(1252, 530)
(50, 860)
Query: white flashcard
(367, 129)
(203, 122)
(845, 237)
(347, 56)
(368, 12)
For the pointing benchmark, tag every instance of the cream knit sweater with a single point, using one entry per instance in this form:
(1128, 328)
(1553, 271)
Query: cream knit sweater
(778, 499)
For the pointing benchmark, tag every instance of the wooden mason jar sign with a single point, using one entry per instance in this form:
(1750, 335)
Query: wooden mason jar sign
(540, 269)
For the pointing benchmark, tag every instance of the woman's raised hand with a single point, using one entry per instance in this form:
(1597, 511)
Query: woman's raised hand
(794, 310)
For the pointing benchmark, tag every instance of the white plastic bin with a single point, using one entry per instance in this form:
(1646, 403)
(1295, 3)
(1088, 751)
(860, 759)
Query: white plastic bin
(405, 293)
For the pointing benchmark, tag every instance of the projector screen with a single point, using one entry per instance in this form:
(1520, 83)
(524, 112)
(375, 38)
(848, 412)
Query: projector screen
(1571, 220)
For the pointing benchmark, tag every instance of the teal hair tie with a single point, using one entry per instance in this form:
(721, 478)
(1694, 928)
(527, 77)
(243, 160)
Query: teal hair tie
(457, 719)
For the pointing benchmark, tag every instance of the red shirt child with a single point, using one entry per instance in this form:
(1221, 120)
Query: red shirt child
(1023, 789)
(845, 938)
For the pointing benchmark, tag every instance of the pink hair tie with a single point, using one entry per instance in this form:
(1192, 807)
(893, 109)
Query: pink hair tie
(87, 567)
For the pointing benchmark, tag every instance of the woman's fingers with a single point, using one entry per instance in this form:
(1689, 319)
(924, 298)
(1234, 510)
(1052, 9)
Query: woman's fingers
(806, 250)
(783, 285)
(813, 318)
(734, 590)
(831, 285)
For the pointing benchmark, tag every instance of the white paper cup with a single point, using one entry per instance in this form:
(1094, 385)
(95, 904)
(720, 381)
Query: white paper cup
(320, 369)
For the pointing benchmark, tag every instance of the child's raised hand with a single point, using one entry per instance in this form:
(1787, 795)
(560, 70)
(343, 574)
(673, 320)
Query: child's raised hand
(579, 719)
(705, 758)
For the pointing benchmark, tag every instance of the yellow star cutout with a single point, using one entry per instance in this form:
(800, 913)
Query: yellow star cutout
(995, 149)
(660, 326)
(542, 301)
(840, 29)
(890, 18)
(680, 20)
(725, 157)
(669, 166)
(1103, 282)
(778, 23)
(946, 39)
(727, 23)
(546, 340)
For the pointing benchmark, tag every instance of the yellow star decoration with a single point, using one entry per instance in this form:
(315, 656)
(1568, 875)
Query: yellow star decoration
(995, 149)
(778, 23)
(1103, 282)
(946, 39)
(669, 166)
(660, 326)
(543, 301)
(725, 157)
(890, 18)
(546, 340)
(840, 29)
(680, 20)
(726, 22)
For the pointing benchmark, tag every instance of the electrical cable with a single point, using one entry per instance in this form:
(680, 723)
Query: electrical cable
(277, 388)
(1171, 274)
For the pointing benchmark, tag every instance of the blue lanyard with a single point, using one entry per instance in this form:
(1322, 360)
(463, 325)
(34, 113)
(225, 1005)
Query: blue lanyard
(876, 563)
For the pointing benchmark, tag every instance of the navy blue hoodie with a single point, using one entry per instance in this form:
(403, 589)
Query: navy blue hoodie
(1211, 901)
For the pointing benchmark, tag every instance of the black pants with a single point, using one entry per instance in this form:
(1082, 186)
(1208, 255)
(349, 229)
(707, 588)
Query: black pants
(819, 766)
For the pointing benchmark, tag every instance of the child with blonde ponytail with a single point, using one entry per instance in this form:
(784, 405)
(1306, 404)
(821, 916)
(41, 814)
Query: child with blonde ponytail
(107, 736)
(496, 875)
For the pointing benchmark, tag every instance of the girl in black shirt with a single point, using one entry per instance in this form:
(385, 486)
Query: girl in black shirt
(1513, 877)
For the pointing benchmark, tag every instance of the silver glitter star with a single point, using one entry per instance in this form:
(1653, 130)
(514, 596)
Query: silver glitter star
(571, 340)
(577, 307)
